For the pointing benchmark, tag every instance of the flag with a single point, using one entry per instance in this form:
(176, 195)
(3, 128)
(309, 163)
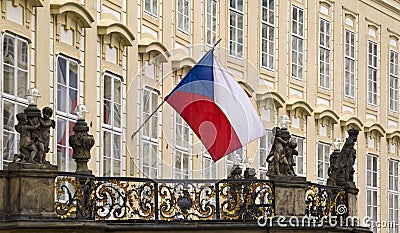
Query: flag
(216, 108)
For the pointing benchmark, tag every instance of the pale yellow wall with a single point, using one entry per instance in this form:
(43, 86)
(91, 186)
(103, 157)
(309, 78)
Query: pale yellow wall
(383, 14)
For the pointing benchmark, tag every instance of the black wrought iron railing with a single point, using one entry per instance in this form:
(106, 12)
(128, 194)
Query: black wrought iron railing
(323, 202)
(137, 199)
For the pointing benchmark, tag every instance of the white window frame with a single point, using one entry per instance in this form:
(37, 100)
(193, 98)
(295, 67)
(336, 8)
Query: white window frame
(373, 86)
(300, 159)
(150, 140)
(323, 164)
(69, 117)
(350, 59)
(267, 40)
(264, 144)
(184, 15)
(211, 22)
(393, 195)
(234, 43)
(372, 188)
(153, 10)
(297, 51)
(210, 168)
(112, 129)
(19, 102)
(231, 157)
(324, 49)
(393, 81)
(179, 173)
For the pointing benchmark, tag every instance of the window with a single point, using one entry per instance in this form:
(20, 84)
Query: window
(324, 53)
(300, 158)
(67, 99)
(349, 64)
(235, 157)
(267, 34)
(394, 195)
(182, 148)
(211, 36)
(297, 43)
(15, 85)
(394, 81)
(209, 167)
(372, 73)
(266, 142)
(323, 152)
(236, 28)
(112, 105)
(150, 6)
(183, 15)
(372, 189)
(150, 134)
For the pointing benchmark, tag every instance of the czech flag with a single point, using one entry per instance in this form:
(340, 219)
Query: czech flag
(216, 108)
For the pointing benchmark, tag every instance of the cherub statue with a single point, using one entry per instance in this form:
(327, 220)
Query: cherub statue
(290, 153)
(28, 149)
(44, 135)
(277, 154)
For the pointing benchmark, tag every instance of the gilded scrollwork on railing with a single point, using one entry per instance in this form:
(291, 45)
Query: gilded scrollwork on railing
(131, 199)
(325, 201)
(186, 201)
(246, 200)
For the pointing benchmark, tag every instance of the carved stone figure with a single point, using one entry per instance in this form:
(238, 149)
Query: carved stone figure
(341, 171)
(28, 149)
(81, 142)
(280, 158)
(34, 133)
(44, 135)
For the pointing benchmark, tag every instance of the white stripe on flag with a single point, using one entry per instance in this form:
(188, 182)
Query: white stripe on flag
(233, 101)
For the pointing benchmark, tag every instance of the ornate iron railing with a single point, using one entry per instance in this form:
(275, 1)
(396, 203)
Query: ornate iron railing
(136, 199)
(323, 202)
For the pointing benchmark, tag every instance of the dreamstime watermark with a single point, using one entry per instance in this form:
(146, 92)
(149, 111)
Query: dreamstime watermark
(332, 221)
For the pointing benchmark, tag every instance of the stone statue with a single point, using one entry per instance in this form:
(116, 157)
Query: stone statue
(81, 142)
(28, 149)
(34, 133)
(44, 135)
(341, 170)
(280, 158)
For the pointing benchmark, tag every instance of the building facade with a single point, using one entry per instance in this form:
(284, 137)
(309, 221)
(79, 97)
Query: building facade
(328, 65)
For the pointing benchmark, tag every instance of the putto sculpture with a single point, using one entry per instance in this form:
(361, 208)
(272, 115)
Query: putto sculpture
(34, 129)
(341, 169)
(281, 157)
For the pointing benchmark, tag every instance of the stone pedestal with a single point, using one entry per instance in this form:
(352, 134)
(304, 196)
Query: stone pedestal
(4, 194)
(290, 195)
(352, 201)
(31, 191)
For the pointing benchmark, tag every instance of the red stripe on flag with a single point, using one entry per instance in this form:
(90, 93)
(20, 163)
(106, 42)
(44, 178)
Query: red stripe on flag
(207, 121)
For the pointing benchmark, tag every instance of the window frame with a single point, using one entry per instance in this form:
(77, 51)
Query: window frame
(394, 91)
(235, 42)
(264, 148)
(213, 22)
(351, 60)
(13, 99)
(153, 12)
(270, 43)
(182, 13)
(111, 128)
(395, 194)
(373, 101)
(372, 188)
(70, 117)
(298, 38)
(179, 173)
(326, 148)
(151, 141)
(324, 48)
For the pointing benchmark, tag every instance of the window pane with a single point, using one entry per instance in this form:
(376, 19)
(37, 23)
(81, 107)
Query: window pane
(9, 80)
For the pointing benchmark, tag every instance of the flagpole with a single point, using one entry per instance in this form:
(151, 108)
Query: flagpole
(141, 126)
